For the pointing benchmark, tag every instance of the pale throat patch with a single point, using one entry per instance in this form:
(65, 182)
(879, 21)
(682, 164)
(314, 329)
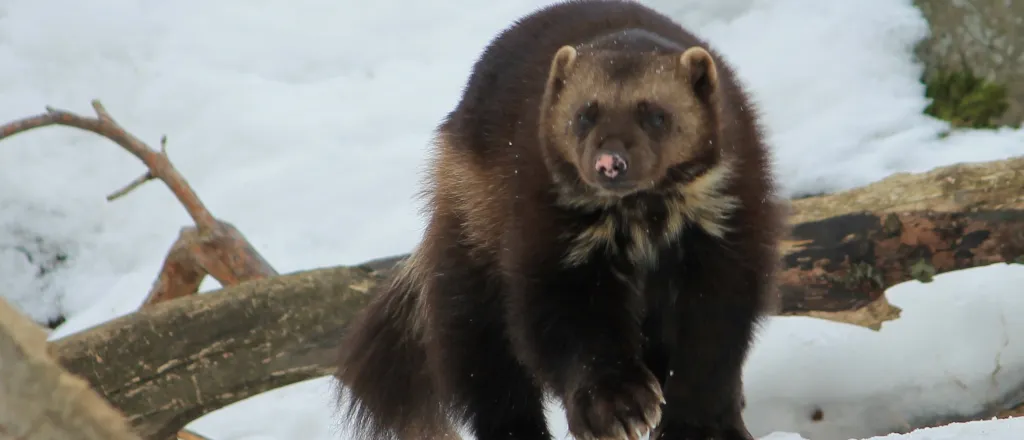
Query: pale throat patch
(700, 202)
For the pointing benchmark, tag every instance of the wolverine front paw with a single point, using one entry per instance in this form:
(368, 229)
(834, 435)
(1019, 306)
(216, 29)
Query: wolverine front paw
(624, 405)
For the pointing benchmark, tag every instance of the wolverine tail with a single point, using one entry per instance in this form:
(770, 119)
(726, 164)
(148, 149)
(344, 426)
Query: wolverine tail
(383, 368)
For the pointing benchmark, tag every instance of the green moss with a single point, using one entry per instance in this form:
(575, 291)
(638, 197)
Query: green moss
(965, 100)
(858, 274)
(922, 271)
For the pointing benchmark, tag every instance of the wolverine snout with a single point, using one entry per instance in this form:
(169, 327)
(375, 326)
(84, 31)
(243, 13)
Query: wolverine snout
(611, 165)
(610, 162)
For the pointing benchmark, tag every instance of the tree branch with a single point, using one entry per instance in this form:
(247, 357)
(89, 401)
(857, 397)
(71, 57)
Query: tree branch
(105, 125)
(216, 248)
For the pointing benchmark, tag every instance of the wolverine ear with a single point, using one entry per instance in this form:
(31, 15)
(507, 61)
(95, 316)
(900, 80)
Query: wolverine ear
(561, 65)
(699, 69)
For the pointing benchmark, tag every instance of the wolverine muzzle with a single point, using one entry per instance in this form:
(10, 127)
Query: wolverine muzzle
(610, 165)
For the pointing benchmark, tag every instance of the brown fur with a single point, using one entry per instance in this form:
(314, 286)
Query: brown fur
(537, 275)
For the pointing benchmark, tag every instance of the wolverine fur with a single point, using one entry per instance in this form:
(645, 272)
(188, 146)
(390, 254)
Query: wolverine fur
(633, 298)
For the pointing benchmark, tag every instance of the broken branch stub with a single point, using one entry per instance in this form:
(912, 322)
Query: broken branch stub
(222, 252)
(180, 274)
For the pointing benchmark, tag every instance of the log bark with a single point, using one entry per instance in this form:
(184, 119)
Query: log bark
(847, 248)
(41, 401)
(174, 361)
(170, 363)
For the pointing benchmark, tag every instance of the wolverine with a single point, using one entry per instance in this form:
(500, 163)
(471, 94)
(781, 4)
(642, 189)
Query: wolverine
(602, 228)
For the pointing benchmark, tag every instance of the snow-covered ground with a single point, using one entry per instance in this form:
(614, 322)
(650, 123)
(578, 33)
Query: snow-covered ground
(305, 123)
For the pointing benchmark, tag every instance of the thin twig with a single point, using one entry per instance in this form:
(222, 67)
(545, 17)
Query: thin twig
(131, 186)
(157, 161)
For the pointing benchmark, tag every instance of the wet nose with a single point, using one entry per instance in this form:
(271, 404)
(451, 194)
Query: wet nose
(611, 165)
(611, 160)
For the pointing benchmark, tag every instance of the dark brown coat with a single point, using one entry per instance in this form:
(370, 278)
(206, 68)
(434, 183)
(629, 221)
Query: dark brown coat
(632, 298)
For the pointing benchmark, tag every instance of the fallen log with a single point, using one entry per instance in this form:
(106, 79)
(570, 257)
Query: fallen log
(847, 248)
(193, 355)
(173, 361)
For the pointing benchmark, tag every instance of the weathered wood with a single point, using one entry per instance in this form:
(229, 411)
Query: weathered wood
(956, 190)
(845, 263)
(41, 401)
(180, 275)
(220, 251)
(169, 364)
(227, 256)
(172, 362)
(993, 185)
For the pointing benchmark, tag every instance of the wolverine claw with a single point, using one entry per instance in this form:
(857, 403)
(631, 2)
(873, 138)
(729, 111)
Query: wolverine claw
(623, 405)
(638, 430)
(652, 416)
(656, 389)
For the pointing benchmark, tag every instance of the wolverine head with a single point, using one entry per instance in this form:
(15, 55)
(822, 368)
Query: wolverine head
(618, 122)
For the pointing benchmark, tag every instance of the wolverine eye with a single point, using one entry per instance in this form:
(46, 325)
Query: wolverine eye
(651, 116)
(586, 118)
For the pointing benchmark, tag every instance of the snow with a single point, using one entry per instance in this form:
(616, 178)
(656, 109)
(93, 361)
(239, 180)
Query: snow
(977, 430)
(306, 123)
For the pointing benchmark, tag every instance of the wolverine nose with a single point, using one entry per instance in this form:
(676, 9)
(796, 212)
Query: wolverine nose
(611, 161)
(610, 165)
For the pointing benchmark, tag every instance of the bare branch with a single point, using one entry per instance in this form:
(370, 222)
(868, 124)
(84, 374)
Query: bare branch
(104, 125)
(213, 247)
